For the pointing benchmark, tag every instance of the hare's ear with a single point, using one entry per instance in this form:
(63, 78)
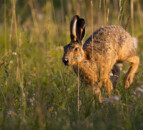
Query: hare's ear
(73, 26)
(80, 29)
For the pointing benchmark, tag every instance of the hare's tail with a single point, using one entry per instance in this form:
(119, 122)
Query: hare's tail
(135, 42)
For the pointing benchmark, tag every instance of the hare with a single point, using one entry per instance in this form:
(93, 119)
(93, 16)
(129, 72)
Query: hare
(100, 54)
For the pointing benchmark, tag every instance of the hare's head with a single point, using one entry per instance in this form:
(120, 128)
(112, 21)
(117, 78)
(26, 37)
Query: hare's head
(73, 52)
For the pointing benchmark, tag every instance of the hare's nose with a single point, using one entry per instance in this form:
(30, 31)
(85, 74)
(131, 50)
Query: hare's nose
(66, 61)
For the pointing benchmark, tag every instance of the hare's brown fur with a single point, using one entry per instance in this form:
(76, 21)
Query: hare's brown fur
(99, 54)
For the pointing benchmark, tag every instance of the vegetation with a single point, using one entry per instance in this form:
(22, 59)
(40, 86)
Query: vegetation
(37, 91)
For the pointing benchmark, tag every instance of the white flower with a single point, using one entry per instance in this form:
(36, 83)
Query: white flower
(32, 99)
(117, 98)
(14, 53)
(11, 113)
(113, 98)
(124, 71)
(11, 62)
(110, 74)
(139, 89)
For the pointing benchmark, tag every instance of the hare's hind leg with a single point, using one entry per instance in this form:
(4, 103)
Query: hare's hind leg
(116, 75)
(132, 70)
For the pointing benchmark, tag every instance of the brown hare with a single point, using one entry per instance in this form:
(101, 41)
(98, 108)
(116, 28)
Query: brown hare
(99, 55)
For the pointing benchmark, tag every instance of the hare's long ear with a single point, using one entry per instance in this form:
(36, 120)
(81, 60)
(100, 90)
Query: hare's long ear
(80, 29)
(73, 26)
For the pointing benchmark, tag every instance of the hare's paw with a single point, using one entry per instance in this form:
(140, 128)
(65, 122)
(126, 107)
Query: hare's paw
(128, 80)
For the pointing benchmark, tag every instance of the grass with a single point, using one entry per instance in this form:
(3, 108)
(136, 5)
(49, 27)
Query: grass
(37, 91)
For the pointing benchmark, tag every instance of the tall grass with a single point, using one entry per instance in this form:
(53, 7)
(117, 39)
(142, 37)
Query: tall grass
(37, 91)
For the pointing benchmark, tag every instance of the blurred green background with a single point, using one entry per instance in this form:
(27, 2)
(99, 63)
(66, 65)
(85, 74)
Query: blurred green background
(37, 91)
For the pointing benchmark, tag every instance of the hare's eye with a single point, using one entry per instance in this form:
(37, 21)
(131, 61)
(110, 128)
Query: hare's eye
(76, 49)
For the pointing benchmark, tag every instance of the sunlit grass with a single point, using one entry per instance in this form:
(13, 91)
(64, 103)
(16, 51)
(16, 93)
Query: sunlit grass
(38, 92)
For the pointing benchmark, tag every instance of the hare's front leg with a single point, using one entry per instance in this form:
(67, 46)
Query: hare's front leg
(97, 92)
(108, 85)
(107, 81)
(132, 70)
(103, 78)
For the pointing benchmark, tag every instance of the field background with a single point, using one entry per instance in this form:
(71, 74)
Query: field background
(37, 91)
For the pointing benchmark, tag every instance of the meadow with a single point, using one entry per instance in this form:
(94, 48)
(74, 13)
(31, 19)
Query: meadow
(37, 91)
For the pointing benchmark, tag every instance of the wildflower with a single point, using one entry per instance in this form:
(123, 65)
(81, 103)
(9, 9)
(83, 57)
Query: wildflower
(124, 71)
(14, 53)
(110, 74)
(113, 98)
(34, 68)
(139, 89)
(117, 98)
(11, 113)
(51, 109)
(11, 62)
(32, 99)
(58, 76)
